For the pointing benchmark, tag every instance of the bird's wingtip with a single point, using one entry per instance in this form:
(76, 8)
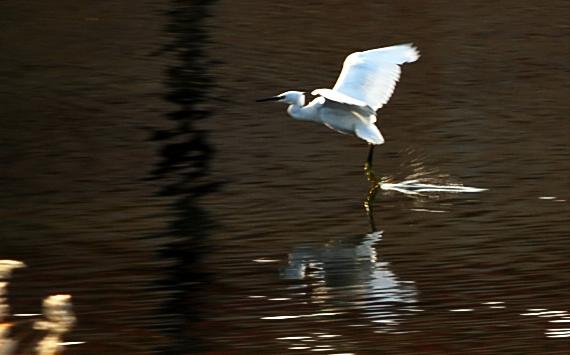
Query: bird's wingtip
(412, 53)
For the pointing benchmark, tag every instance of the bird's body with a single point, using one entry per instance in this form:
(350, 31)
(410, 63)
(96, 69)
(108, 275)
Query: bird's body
(365, 84)
(343, 118)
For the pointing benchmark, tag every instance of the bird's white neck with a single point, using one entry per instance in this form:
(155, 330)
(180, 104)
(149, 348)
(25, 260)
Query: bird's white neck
(304, 113)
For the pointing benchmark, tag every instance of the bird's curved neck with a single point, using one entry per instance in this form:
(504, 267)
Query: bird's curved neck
(300, 112)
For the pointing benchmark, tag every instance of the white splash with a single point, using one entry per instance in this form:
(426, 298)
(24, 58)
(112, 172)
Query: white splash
(416, 187)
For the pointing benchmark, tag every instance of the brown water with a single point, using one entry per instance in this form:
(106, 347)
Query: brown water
(139, 176)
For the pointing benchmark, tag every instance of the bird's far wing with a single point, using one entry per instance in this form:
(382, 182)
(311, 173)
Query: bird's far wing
(371, 76)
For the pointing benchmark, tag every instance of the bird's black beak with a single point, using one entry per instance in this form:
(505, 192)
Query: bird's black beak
(274, 98)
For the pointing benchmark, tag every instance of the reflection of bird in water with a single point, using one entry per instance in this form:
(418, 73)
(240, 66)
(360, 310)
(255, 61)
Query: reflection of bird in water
(365, 84)
(348, 272)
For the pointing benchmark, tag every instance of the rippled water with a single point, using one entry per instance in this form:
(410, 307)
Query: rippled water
(139, 176)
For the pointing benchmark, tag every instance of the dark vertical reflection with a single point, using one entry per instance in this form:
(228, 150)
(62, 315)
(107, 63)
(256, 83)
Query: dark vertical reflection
(184, 163)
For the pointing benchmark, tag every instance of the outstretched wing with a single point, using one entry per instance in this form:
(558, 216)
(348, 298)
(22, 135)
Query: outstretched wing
(370, 77)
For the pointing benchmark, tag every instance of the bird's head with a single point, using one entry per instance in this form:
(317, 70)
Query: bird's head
(288, 97)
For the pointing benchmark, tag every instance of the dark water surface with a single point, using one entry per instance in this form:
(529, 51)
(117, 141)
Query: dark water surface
(139, 176)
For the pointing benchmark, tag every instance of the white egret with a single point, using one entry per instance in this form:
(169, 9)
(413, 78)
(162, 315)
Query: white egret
(365, 84)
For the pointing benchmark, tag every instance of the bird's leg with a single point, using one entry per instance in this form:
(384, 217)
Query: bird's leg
(375, 186)
(368, 205)
(368, 166)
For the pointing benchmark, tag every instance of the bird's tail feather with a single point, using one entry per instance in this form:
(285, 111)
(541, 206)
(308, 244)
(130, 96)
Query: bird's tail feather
(369, 133)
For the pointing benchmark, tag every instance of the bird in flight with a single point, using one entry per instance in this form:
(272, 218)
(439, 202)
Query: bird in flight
(365, 84)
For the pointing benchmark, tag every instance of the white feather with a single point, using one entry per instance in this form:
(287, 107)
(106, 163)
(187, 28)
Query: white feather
(365, 84)
(371, 76)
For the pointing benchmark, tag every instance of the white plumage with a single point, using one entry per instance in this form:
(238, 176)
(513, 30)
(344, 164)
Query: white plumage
(365, 84)
(371, 76)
